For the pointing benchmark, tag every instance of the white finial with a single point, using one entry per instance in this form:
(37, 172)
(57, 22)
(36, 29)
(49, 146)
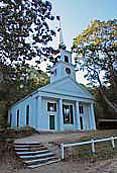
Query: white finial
(61, 42)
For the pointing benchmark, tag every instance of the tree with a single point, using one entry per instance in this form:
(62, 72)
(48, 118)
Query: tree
(24, 31)
(96, 51)
(24, 36)
(13, 88)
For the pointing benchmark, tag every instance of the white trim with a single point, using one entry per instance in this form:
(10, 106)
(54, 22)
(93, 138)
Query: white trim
(92, 142)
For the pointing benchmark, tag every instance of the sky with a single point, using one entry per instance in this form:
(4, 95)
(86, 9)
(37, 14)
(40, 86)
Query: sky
(76, 15)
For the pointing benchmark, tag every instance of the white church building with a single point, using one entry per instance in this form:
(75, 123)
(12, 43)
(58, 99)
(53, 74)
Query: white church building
(61, 105)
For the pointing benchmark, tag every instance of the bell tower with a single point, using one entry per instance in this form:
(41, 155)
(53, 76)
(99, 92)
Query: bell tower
(63, 66)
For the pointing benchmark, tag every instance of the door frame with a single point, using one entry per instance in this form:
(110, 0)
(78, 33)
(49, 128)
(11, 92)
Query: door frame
(55, 113)
(50, 115)
(69, 126)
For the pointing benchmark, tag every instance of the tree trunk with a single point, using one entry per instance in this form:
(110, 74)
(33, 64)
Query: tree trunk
(111, 106)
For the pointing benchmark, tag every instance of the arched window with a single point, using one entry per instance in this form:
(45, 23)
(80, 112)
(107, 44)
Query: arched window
(27, 115)
(17, 123)
(10, 119)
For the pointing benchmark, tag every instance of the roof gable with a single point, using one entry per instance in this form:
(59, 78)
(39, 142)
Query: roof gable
(68, 87)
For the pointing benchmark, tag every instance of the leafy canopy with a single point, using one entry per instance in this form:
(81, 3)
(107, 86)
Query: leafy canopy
(96, 52)
(97, 47)
(24, 30)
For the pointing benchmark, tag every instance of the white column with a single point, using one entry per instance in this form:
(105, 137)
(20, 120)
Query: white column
(77, 116)
(61, 124)
(93, 123)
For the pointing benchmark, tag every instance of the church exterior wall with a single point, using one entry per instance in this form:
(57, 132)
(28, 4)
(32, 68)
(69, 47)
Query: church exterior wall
(39, 116)
(43, 117)
(21, 106)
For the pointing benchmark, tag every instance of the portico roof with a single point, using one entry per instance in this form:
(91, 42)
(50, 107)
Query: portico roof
(67, 86)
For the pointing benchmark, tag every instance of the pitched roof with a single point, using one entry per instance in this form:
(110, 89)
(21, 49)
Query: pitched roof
(67, 86)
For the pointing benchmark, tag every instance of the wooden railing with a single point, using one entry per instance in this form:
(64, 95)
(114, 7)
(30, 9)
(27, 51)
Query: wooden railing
(92, 142)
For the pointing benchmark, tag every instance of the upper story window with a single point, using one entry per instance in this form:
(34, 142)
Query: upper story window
(51, 107)
(66, 59)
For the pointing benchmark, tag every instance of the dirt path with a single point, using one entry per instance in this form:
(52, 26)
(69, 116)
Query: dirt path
(107, 166)
(54, 137)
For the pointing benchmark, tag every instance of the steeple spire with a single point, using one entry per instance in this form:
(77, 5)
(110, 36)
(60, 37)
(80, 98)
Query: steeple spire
(61, 41)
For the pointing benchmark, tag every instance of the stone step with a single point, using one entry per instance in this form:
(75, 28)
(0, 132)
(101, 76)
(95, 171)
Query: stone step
(34, 154)
(26, 146)
(43, 164)
(41, 155)
(30, 149)
(40, 160)
(31, 153)
(27, 143)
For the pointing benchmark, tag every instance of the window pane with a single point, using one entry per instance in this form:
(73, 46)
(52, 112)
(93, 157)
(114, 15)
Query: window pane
(81, 109)
(68, 114)
(17, 118)
(66, 58)
(27, 115)
(71, 111)
(52, 107)
(10, 119)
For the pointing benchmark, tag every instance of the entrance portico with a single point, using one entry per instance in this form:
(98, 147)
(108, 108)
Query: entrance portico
(64, 114)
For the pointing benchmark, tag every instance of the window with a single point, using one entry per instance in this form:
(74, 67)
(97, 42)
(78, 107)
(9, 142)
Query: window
(51, 107)
(81, 122)
(10, 121)
(17, 123)
(66, 59)
(55, 72)
(81, 111)
(27, 115)
(68, 71)
(68, 114)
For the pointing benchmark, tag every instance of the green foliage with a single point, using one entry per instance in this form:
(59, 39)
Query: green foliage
(96, 50)
(24, 35)
(17, 87)
(97, 44)
(24, 31)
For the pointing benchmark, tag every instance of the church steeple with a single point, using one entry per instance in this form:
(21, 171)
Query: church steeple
(63, 67)
(61, 40)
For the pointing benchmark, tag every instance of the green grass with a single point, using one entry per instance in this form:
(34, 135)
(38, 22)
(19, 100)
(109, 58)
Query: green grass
(98, 134)
(104, 150)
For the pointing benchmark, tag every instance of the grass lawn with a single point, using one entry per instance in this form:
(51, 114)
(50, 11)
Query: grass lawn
(104, 150)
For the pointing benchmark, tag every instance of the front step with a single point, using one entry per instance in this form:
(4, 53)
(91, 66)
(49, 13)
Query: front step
(34, 154)
(31, 153)
(39, 165)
